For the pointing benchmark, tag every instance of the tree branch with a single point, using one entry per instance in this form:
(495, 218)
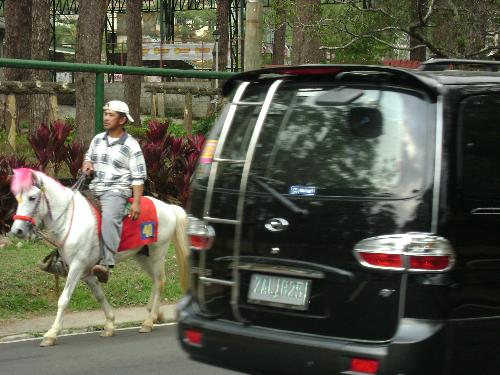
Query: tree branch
(430, 10)
(483, 50)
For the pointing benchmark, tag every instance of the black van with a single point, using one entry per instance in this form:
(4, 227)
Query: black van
(346, 220)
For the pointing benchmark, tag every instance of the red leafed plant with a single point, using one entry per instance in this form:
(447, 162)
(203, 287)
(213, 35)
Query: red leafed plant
(170, 162)
(75, 152)
(8, 202)
(47, 142)
(49, 145)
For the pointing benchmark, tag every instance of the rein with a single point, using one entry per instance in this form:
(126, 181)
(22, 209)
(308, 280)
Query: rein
(31, 220)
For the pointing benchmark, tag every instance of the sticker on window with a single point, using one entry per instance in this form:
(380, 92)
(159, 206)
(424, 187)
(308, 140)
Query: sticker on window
(208, 151)
(302, 190)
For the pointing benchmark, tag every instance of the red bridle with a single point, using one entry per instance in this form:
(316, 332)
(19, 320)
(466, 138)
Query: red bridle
(29, 219)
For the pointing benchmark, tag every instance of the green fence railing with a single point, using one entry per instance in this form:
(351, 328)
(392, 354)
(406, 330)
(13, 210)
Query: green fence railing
(100, 70)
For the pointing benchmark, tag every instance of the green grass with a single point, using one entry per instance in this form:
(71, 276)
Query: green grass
(26, 291)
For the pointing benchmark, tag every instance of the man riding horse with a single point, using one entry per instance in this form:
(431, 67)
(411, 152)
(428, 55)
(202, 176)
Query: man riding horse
(117, 164)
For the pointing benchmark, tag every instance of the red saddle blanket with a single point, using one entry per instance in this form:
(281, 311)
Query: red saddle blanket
(140, 232)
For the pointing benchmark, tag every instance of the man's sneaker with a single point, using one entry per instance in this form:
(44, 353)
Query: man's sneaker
(101, 272)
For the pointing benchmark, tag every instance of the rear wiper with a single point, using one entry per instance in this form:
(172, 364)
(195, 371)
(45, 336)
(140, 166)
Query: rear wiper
(278, 196)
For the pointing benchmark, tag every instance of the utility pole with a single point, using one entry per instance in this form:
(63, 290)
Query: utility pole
(253, 35)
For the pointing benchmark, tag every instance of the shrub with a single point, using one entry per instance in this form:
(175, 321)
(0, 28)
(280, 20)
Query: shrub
(204, 125)
(75, 153)
(170, 161)
(52, 148)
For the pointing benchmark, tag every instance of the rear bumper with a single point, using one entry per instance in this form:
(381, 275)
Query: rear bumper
(417, 348)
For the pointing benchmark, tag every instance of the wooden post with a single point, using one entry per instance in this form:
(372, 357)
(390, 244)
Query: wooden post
(153, 105)
(10, 120)
(188, 112)
(161, 104)
(253, 35)
(53, 109)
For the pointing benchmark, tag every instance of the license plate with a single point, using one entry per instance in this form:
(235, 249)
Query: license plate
(279, 291)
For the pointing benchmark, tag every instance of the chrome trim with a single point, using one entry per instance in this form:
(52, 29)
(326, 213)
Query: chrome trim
(438, 154)
(210, 189)
(220, 160)
(210, 280)
(218, 149)
(241, 196)
(486, 211)
(280, 270)
(248, 103)
(276, 224)
(220, 221)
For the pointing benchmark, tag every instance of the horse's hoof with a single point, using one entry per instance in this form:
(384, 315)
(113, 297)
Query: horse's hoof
(107, 333)
(145, 329)
(48, 341)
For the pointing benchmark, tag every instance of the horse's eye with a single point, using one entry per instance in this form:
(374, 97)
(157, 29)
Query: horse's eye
(32, 198)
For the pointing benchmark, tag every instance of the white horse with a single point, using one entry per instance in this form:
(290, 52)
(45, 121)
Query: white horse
(68, 217)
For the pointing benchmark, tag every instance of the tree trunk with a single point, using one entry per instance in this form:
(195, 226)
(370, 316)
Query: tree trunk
(17, 15)
(306, 40)
(134, 58)
(92, 14)
(223, 28)
(40, 43)
(417, 8)
(279, 43)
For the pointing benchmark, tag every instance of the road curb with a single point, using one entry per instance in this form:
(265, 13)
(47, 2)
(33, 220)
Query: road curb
(80, 322)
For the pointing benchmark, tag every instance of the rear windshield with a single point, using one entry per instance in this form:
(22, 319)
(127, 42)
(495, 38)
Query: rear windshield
(327, 140)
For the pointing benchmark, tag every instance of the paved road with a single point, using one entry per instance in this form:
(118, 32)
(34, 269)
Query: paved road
(128, 353)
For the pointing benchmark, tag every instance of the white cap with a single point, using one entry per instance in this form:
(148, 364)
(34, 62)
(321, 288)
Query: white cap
(118, 106)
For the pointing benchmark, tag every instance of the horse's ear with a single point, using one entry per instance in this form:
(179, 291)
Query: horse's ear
(36, 180)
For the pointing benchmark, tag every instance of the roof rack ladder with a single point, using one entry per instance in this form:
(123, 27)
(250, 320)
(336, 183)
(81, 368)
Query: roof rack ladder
(234, 283)
(235, 290)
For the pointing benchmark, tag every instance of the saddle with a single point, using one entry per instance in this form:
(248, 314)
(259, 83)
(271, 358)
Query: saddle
(135, 233)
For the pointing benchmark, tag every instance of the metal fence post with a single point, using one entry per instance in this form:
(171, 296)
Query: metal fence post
(99, 102)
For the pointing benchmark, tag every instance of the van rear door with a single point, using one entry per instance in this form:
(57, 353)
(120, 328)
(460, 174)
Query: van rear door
(302, 171)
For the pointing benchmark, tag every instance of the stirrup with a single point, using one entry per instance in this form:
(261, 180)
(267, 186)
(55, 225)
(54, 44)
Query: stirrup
(53, 263)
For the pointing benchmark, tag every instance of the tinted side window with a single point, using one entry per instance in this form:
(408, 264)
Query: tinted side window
(481, 147)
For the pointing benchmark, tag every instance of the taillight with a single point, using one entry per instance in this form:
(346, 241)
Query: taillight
(414, 252)
(201, 235)
(193, 337)
(429, 262)
(393, 261)
(364, 365)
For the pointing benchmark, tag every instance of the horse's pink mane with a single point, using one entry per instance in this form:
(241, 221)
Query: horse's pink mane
(22, 181)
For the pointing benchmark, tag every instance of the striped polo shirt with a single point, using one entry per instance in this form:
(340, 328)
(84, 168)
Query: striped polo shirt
(117, 165)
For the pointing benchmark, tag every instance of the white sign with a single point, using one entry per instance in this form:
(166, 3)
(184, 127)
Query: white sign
(185, 51)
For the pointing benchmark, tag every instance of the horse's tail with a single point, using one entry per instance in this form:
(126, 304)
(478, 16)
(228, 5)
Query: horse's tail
(181, 246)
